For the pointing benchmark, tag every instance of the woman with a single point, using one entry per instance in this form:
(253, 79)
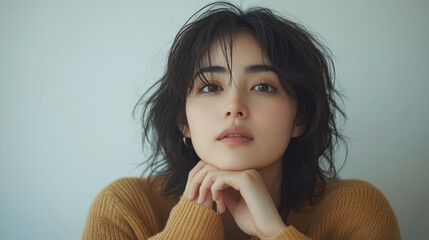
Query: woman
(243, 132)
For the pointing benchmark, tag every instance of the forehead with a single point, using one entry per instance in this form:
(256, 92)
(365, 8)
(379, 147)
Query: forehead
(241, 48)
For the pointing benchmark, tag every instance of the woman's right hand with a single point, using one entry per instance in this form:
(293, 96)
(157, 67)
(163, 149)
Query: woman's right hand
(209, 200)
(244, 194)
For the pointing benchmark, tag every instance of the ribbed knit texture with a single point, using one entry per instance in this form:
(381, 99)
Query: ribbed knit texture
(128, 209)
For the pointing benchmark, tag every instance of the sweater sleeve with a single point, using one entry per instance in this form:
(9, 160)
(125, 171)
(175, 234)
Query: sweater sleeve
(290, 233)
(189, 220)
(110, 217)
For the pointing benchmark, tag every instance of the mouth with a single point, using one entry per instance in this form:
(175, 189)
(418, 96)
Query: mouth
(235, 135)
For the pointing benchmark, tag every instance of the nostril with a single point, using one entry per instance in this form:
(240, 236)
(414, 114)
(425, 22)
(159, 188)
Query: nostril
(235, 114)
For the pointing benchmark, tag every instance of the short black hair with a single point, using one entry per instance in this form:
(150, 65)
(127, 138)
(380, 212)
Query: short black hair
(301, 62)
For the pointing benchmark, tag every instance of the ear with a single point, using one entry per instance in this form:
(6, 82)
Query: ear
(184, 129)
(298, 128)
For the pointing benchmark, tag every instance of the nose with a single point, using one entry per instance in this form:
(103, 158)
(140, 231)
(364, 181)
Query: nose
(236, 107)
(235, 113)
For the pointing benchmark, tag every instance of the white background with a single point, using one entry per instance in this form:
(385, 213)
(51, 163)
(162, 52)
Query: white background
(71, 72)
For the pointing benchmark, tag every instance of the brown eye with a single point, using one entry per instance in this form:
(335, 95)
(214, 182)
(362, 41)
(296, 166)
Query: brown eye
(263, 87)
(210, 89)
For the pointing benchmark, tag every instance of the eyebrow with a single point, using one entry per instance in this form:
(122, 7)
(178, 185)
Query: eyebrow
(249, 69)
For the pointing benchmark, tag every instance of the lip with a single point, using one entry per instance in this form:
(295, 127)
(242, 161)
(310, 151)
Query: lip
(243, 136)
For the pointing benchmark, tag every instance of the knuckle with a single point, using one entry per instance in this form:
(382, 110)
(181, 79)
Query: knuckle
(211, 176)
(192, 172)
(250, 174)
(196, 169)
(211, 167)
(190, 175)
(208, 167)
(214, 185)
(204, 187)
(253, 172)
(246, 174)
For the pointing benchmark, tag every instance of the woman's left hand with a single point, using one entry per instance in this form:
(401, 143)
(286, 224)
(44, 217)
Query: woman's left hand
(244, 194)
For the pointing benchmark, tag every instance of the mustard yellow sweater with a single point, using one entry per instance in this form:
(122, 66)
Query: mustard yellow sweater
(128, 209)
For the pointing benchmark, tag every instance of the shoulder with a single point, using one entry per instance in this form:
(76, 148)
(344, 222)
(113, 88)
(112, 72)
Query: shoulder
(128, 188)
(356, 196)
(353, 190)
(135, 193)
(358, 205)
(128, 205)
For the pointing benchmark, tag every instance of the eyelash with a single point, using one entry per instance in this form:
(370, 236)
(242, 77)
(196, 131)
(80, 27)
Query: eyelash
(205, 89)
(265, 84)
(201, 89)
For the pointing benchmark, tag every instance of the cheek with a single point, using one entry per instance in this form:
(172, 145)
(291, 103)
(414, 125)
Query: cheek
(277, 120)
(198, 116)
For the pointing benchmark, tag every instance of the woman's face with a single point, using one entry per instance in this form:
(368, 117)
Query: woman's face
(243, 123)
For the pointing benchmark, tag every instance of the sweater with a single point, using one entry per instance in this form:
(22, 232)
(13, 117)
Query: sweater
(129, 209)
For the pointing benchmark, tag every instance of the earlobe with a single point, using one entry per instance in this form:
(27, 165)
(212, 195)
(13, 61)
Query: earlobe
(298, 129)
(183, 128)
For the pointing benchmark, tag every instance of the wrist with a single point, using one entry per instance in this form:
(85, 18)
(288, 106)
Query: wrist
(276, 231)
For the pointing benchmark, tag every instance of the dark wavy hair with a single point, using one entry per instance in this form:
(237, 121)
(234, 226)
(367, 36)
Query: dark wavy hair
(300, 60)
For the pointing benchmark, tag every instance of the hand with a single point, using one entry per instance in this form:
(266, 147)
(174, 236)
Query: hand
(242, 192)
(208, 201)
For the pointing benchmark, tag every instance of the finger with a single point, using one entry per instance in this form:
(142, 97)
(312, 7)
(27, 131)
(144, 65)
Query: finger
(208, 202)
(206, 184)
(195, 170)
(252, 190)
(223, 193)
(191, 176)
(223, 186)
(225, 181)
(245, 187)
(215, 190)
(245, 182)
(231, 198)
(220, 203)
(198, 178)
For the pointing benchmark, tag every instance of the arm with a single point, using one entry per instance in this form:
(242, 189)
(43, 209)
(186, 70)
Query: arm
(123, 211)
(355, 210)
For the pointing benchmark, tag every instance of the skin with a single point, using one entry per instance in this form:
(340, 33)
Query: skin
(236, 176)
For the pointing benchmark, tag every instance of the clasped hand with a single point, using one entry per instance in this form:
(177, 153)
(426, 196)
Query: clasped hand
(242, 192)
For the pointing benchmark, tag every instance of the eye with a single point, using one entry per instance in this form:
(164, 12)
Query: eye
(264, 87)
(209, 88)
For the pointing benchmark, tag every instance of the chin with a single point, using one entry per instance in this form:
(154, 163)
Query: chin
(233, 164)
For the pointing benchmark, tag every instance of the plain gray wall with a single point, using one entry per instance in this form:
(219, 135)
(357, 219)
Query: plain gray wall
(71, 72)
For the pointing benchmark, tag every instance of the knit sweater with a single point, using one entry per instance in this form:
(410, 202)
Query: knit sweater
(129, 209)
